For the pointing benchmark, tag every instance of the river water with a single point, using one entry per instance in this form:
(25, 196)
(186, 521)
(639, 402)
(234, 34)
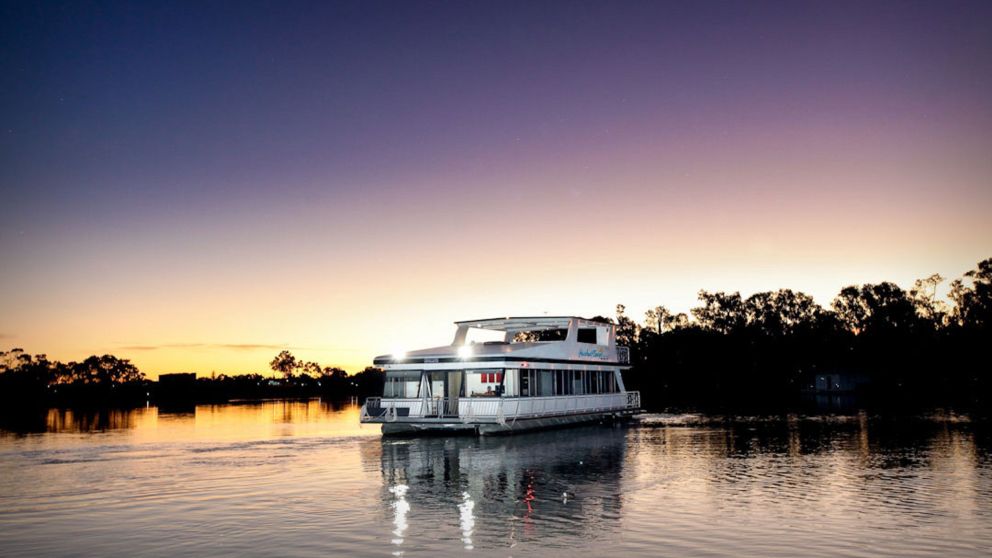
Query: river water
(302, 478)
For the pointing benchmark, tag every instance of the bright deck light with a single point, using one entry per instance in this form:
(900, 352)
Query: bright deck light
(399, 354)
(465, 351)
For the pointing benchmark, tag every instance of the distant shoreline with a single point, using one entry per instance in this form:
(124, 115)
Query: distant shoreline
(877, 342)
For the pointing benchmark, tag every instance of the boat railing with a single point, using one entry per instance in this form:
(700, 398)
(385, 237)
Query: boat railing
(522, 407)
(500, 409)
(373, 402)
(439, 407)
(371, 408)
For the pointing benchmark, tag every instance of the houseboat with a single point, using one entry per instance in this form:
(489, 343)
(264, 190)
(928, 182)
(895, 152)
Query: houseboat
(544, 372)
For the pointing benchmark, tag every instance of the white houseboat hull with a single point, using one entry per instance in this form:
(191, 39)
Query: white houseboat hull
(493, 429)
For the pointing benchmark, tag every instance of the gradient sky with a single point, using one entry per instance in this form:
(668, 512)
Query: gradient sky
(195, 186)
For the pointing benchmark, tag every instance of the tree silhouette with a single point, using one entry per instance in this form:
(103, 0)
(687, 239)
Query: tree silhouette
(973, 302)
(104, 370)
(657, 319)
(875, 308)
(720, 312)
(850, 309)
(924, 297)
(626, 328)
(312, 369)
(784, 312)
(285, 363)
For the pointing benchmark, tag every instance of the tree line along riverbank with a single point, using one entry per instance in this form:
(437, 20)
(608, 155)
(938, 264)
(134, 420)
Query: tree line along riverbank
(878, 340)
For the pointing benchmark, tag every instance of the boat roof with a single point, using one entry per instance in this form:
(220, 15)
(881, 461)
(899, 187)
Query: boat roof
(524, 323)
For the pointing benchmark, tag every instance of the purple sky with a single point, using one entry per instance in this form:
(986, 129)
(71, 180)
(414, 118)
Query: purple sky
(217, 179)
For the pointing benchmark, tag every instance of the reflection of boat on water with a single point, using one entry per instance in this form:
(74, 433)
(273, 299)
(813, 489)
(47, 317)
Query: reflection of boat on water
(545, 372)
(500, 491)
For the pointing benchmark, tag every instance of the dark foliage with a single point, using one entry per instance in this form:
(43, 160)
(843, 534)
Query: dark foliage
(900, 346)
(33, 380)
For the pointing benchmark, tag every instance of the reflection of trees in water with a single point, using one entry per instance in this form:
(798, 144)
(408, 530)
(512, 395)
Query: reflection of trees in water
(558, 484)
(59, 420)
(288, 412)
(798, 435)
(177, 411)
(841, 465)
(69, 420)
(23, 421)
(281, 411)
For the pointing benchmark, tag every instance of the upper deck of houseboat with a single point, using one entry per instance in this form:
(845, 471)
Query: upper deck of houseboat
(537, 339)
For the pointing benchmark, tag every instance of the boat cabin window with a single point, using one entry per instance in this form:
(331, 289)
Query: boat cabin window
(484, 383)
(587, 335)
(545, 383)
(480, 335)
(445, 383)
(540, 335)
(402, 384)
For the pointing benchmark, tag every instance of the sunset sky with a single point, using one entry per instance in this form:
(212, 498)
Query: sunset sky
(196, 186)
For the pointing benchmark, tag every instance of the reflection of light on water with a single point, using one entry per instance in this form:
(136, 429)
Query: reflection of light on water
(529, 497)
(467, 519)
(400, 508)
